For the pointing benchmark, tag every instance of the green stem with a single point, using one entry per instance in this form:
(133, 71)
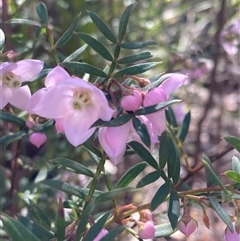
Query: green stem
(51, 42)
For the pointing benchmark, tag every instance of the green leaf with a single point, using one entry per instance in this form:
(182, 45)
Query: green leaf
(42, 13)
(69, 32)
(113, 233)
(114, 194)
(212, 178)
(149, 178)
(173, 209)
(171, 119)
(102, 27)
(163, 230)
(167, 153)
(75, 55)
(143, 153)
(96, 45)
(60, 222)
(154, 108)
(2, 39)
(185, 127)
(136, 45)
(131, 174)
(96, 228)
(38, 214)
(84, 219)
(90, 147)
(221, 212)
(134, 58)
(234, 176)
(177, 164)
(233, 141)
(24, 21)
(65, 187)
(43, 127)
(6, 140)
(80, 68)
(236, 164)
(135, 69)
(142, 131)
(16, 230)
(72, 166)
(124, 21)
(5, 116)
(161, 195)
(40, 232)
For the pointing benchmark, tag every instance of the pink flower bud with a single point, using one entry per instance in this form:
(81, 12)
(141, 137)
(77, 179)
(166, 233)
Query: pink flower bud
(37, 138)
(145, 215)
(132, 102)
(187, 228)
(147, 230)
(231, 236)
(102, 233)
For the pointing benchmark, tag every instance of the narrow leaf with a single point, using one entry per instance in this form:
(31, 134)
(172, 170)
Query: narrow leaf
(113, 233)
(142, 131)
(135, 69)
(131, 174)
(234, 176)
(24, 21)
(42, 13)
(221, 212)
(72, 165)
(96, 228)
(233, 141)
(60, 222)
(236, 164)
(16, 230)
(40, 232)
(43, 127)
(39, 76)
(69, 32)
(96, 45)
(134, 58)
(84, 219)
(212, 178)
(160, 195)
(114, 194)
(137, 45)
(174, 209)
(149, 178)
(171, 119)
(75, 55)
(163, 230)
(124, 21)
(185, 127)
(177, 164)
(143, 153)
(65, 187)
(89, 146)
(5, 116)
(102, 27)
(153, 108)
(6, 140)
(80, 68)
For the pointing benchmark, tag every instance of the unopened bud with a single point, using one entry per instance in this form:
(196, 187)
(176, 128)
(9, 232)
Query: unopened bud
(37, 139)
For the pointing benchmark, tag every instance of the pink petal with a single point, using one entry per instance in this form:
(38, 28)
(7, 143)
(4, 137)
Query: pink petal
(231, 236)
(20, 97)
(5, 95)
(55, 76)
(187, 229)
(132, 102)
(102, 233)
(148, 231)
(154, 97)
(28, 68)
(7, 67)
(173, 83)
(37, 139)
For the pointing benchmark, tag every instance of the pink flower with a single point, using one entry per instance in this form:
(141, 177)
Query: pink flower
(231, 236)
(102, 233)
(147, 230)
(37, 139)
(187, 228)
(132, 102)
(75, 103)
(12, 77)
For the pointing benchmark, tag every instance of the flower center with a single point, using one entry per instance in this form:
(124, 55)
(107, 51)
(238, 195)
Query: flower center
(80, 100)
(11, 80)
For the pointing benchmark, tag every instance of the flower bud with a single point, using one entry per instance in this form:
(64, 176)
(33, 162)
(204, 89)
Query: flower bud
(147, 230)
(187, 228)
(37, 138)
(231, 236)
(132, 102)
(145, 215)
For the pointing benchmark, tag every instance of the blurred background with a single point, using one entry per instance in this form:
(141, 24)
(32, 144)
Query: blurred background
(195, 37)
